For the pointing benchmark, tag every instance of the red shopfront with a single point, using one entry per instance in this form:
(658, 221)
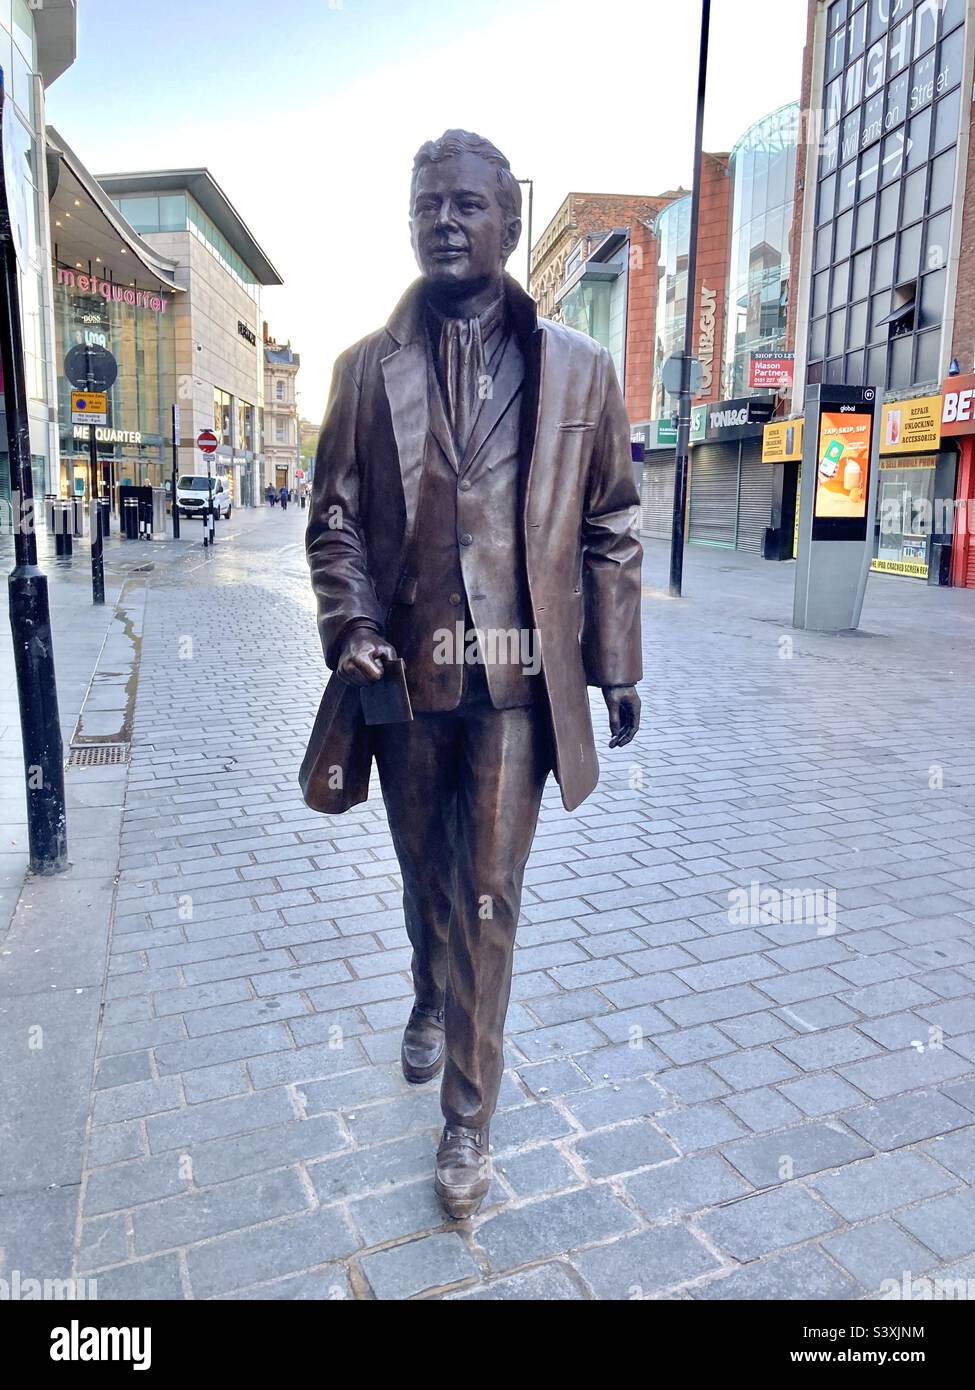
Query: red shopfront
(958, 424)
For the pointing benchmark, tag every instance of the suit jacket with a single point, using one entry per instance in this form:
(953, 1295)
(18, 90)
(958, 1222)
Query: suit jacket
(578, 505)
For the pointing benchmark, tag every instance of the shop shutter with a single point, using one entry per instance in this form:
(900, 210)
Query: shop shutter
(714, 494)
(754, 497)
(658, 495)
(970, 574)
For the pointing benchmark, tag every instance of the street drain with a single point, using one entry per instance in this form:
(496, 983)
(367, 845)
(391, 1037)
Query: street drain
(98, 755)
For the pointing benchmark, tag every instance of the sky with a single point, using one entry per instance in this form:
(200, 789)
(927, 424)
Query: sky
(308, 114)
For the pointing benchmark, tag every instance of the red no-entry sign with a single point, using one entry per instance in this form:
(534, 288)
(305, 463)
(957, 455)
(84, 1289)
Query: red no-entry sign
(206, 442)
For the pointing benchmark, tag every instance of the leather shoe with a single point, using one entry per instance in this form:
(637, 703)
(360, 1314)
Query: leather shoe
(422, 1052)
(463, 1173)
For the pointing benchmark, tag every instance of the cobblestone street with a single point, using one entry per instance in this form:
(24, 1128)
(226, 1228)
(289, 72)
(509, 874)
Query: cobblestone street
(704, 1098)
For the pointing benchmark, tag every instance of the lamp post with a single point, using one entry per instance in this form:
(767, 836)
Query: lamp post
(528, 230)
(684, 408)
(30, 614)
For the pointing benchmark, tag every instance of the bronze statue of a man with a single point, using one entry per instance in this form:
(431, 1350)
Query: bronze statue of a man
(473, 514)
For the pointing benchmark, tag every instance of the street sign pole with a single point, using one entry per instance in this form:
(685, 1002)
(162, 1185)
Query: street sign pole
(175, 470)
(207, 442)
(684, 410)
(97, 555)
(30, 616)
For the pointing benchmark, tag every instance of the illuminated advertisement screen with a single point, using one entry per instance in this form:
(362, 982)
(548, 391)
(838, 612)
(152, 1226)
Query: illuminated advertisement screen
(843, 460)
(842, 472)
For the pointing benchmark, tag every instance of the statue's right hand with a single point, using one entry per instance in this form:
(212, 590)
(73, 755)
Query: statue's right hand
(362, 657)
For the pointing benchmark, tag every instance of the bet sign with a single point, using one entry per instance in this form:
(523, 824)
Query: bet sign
(958, 405)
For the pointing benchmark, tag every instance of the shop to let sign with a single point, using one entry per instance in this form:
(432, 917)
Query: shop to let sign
(773, 369)
(911, 427)
(782, 441)
(89, 407)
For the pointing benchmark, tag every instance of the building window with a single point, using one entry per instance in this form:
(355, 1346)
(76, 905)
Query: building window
(279, 431)
(279, 390)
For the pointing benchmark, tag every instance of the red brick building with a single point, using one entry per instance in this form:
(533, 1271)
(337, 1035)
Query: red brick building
(617, 227)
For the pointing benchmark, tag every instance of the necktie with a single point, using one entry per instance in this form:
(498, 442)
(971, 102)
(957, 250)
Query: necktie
(462, 356)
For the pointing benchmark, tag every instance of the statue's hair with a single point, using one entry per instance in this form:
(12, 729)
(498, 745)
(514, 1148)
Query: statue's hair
(454, 142)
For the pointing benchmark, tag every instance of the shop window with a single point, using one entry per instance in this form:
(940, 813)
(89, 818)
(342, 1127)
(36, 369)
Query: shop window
(905, 501)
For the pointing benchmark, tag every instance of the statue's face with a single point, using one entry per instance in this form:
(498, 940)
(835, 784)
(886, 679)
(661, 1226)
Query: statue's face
(460, 233)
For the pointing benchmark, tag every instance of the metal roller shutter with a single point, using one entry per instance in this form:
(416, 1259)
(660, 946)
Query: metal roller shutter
(754, 497)
(714, 494)
(657, 495)
(970, 573)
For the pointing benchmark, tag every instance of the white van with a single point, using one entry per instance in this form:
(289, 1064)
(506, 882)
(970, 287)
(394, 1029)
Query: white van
(192, 491)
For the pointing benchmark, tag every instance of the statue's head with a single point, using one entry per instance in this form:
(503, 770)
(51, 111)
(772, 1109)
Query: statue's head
(465, 211)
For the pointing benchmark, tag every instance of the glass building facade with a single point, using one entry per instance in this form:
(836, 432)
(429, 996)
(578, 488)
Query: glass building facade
(22, 124)
(673, 232)
(762, 167)
(136, 327)
(892, 104)
(179, 212)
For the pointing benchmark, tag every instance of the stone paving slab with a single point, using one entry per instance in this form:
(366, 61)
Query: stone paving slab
(718, 1085)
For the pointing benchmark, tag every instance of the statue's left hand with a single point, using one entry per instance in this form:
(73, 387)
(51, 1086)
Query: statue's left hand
(623, 704)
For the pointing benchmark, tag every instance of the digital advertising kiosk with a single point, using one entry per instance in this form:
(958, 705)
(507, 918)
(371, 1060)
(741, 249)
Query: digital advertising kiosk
(837, 505)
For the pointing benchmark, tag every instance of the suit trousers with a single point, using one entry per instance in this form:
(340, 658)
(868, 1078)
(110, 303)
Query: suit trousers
(462, 792)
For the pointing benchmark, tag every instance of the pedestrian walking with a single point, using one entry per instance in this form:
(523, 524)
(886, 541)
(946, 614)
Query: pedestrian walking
(284, 497)
(270, 496)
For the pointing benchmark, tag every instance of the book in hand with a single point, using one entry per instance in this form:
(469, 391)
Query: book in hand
(387, 701)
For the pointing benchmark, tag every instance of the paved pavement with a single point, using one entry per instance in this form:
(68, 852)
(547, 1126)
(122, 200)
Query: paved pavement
(718, 1084)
